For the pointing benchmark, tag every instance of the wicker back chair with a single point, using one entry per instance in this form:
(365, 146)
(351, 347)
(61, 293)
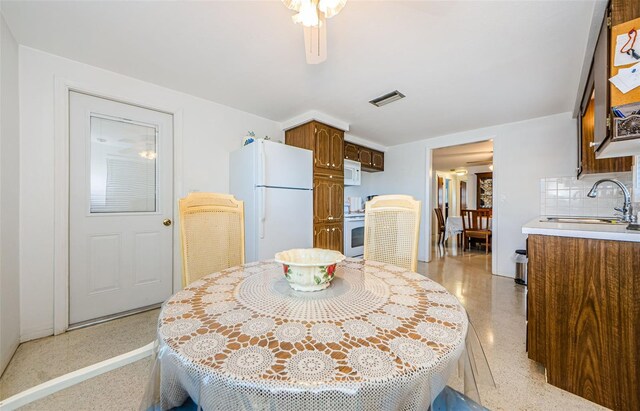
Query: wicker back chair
(212, 234)
(391, 230)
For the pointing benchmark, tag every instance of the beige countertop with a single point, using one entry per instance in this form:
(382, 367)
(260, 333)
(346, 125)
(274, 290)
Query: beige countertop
(616, 232)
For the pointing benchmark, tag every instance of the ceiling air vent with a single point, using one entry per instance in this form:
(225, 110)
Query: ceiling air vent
(387, 98)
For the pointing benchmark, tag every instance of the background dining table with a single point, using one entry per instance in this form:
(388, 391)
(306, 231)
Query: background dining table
(453, 226)
(380, 337)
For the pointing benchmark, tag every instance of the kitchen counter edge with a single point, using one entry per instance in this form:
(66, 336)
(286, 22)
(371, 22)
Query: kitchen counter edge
(593, 231)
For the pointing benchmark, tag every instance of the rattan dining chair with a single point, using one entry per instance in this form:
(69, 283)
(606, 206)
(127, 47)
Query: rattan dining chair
(391, 230)
(212, 234)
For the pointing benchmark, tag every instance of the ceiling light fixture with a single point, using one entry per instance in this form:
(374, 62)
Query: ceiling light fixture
(312, 15)
(387, 98)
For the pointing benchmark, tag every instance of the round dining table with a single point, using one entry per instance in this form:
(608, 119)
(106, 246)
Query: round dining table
(379, 338)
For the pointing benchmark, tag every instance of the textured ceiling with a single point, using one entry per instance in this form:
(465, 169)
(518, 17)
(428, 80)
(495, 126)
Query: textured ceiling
(462, 65)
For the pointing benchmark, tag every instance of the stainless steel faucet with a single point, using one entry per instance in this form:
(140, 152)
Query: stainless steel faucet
(627, 215)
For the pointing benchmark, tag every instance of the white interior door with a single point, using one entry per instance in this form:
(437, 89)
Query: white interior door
(121, 191)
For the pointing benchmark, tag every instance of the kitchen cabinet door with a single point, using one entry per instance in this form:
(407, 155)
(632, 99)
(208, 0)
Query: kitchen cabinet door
(600, 71)
(587, 162)
(328, 199)
(337, 238)
(337, 200)
(322, 200)
(322, 154)
(328, 236)
(321, 236)
(377, 160)
(337, 149)
(351, 151)
(366, 157)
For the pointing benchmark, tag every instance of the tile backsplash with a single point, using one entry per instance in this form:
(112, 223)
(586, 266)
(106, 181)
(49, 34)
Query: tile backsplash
(567, 196)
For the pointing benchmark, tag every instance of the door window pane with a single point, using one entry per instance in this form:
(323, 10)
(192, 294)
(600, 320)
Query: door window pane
(123, 166)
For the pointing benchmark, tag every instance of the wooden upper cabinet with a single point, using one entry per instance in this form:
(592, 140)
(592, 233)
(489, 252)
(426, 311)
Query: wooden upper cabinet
(337, 147)
(351, 151)
(600, 73)
(326, 143)
(370, 160)
(624, 10)
(366, 157)
(328, 150)
(587, 124)
(322, 153)
(377, 160)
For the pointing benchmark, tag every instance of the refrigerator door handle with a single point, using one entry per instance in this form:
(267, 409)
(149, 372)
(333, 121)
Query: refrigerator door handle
(263, 210)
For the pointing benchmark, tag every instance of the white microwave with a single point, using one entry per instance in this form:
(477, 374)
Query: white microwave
(351, 173)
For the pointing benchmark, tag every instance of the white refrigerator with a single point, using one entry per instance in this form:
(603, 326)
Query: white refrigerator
(275, 181)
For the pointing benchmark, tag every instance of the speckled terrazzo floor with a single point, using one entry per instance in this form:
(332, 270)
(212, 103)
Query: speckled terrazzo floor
(495, 304)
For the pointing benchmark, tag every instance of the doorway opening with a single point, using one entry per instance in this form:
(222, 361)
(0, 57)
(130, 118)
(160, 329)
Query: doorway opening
(462, 204)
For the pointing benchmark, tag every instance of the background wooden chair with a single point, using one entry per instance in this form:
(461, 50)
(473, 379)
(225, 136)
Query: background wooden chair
(476, 224)
(391, 230)
(441, 225)
(212, 234)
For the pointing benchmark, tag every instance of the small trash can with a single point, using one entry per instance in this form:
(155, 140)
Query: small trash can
(521, 267)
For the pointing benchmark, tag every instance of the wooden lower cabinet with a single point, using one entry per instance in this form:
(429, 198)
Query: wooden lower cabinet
(584, 316)
(329, 236)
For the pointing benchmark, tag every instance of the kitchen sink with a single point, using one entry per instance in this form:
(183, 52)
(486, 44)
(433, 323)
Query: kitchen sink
(581, 220)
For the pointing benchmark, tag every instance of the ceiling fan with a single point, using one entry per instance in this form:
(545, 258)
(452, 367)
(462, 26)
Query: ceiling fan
(312, 14)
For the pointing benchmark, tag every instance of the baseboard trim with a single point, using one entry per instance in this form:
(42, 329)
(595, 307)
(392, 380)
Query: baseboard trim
(30, 335)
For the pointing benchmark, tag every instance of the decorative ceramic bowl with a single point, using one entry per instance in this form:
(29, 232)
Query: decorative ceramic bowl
(309, 269)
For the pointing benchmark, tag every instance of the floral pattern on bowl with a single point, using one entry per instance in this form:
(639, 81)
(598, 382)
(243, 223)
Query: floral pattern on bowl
(309, 269)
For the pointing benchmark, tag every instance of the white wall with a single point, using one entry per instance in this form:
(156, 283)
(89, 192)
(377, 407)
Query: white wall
(9, 196)
(363, 190)
(524, 152)
(209, 132)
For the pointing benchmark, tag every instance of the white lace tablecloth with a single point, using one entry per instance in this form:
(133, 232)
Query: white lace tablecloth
(453, 226)
(379, 338)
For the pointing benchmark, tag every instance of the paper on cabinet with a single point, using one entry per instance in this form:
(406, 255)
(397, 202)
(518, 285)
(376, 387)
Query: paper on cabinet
(627, 78)
(622, 59)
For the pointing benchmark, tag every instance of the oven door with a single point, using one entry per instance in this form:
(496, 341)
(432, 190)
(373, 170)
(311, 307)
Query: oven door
(354, 237)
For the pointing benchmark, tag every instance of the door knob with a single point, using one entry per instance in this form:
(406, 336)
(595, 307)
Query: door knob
(166, 222)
